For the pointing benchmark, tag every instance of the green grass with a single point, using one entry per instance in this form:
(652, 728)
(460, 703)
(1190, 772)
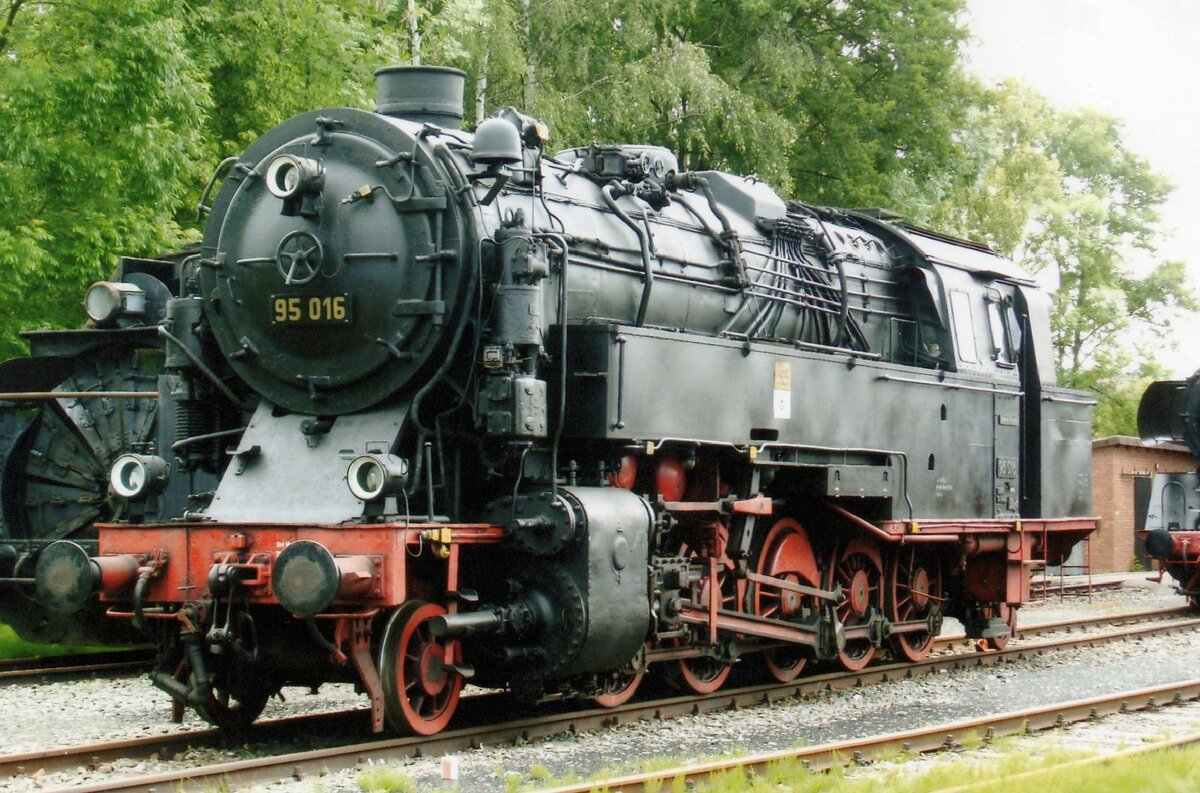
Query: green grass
(989, 771)
(13, 646)
(385, 779)
(1173, 771)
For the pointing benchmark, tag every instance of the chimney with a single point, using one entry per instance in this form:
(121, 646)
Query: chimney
(424, 94)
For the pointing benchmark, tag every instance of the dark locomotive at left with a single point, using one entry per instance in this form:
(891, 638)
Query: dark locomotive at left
(429, 406)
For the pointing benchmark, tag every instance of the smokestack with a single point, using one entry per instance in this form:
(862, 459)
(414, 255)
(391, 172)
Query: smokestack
(425, 94)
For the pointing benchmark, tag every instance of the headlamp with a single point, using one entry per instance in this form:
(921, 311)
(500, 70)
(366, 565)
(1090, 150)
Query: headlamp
(373, 476)
(136, 476)
(107, 301)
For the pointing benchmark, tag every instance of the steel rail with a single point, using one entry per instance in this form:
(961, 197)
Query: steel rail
(80, 664)
(305, 764)
(1040, 628)
(1083, 762)
(921, 740)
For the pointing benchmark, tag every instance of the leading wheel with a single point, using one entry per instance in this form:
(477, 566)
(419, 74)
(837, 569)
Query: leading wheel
(914, 590)
(234, 712)
(787, 555)
(420, 692)
(858, 570)
(237, 700)
(619, 688)
(700, 675)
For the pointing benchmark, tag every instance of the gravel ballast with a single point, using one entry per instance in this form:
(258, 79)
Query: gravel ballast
(73, 713)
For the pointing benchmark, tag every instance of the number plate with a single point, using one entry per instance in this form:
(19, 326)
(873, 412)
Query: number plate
(1006, 468)
(310, 309)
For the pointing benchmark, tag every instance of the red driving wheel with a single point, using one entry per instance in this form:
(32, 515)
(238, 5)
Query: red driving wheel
(420, 692)
(858, 569)
(705, 674)
(914, 589)
(787, 555)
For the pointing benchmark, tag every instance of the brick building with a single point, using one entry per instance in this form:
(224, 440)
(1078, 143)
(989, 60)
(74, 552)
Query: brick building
(1122, 470)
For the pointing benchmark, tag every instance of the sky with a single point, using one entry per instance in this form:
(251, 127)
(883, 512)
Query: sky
(1137, 60)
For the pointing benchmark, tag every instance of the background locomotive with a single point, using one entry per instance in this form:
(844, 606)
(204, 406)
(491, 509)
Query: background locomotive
(429, 406)
(1170, 411)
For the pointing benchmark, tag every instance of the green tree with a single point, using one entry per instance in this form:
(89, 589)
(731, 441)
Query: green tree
(100, 111)
(266, 60)
(1060, 193)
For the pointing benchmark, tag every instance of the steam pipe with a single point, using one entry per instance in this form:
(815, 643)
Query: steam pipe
(612, 191)
(562, 357)
(204, 370)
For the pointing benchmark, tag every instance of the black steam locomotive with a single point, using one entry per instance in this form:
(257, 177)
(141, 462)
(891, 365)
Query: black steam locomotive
(1170, 411)
(429, 406)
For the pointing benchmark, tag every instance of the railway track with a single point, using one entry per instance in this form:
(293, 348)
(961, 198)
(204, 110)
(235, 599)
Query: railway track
(1039, 590)
(927, 739)
(479, 715)
(77, 665)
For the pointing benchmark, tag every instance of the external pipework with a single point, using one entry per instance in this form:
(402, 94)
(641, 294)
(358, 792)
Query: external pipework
(611, 192)
(690, 180)
(974, 546)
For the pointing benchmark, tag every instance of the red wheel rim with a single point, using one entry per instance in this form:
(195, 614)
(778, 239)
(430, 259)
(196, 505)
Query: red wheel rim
(787, 554)
(420, 691)
(857, 566)
(619, 690)
(914, 587)
(704, 674)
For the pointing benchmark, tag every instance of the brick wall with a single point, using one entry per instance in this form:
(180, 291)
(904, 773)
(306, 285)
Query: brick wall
(1116, 462)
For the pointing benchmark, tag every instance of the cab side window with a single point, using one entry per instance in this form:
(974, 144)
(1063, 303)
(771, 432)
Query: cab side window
(1000, 323)
(964, 326)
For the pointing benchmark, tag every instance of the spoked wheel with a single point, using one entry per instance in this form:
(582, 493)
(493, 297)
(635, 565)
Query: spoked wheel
(237, 700)
(858, 569)
(1009, 615)
(234, 712)
(704, 675)
(788, 555)
(701, 675)
(420, 693)
(619, 688)
(55, 476)
(914, 590)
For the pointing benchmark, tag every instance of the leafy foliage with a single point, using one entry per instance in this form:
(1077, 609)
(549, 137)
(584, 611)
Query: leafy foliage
(111, 118)
(1059, 192)
(100, 109)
